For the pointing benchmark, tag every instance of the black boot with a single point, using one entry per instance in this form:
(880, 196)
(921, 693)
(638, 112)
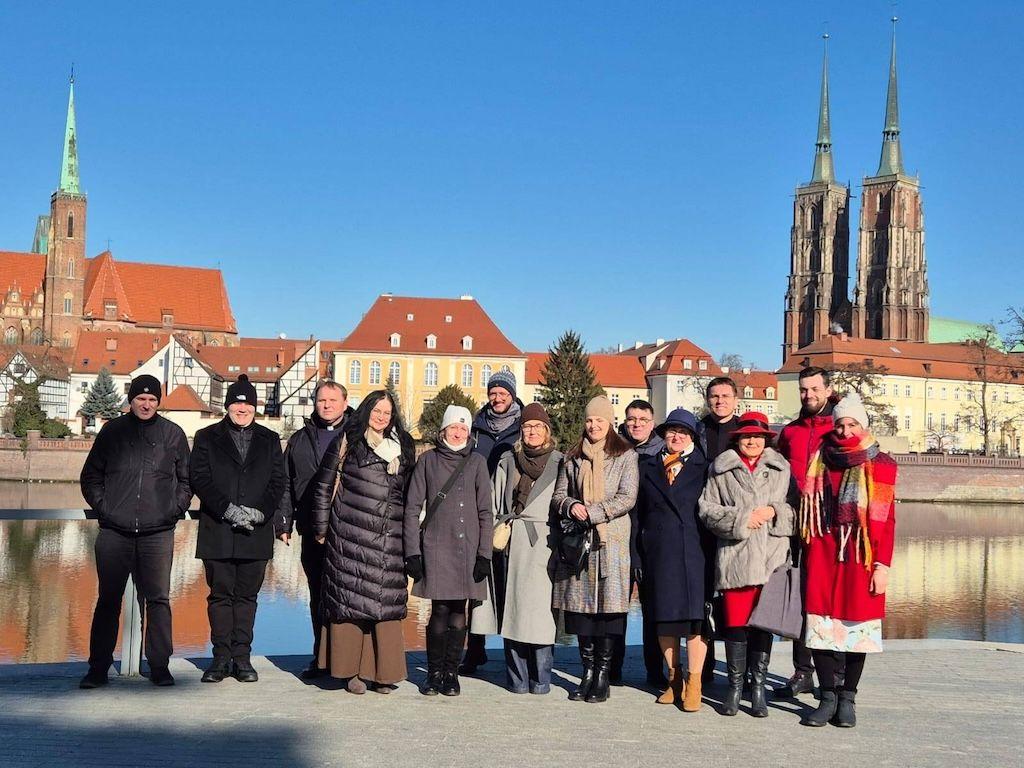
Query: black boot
(435, 663)
(736, 666)
(604, 647)
(218, 670)
(826, 711)
(476, 655)
(452, 653)
(800, 682)
(846, 710)
(758, 674)
(587, 677)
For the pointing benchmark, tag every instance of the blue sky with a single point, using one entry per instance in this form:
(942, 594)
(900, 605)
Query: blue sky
(623, 169)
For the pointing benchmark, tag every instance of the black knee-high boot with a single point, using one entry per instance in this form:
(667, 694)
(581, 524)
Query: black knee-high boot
(758, 677)
(587, 676)
(736, 664)
(456, 638)
(604, 647)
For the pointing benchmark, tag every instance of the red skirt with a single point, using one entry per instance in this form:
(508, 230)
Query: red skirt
(738, 604)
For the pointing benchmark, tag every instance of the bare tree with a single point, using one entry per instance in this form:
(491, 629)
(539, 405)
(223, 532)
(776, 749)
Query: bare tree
(866, 379)
(985, 412)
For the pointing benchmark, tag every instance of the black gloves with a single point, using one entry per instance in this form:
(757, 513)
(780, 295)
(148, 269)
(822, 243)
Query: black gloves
(414, 567)
(481, 569)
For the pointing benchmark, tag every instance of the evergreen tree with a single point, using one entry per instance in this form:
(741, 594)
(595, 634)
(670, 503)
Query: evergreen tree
(24, 411)
(430, 421)
(103, 399)
(569, 384)
(389, 387)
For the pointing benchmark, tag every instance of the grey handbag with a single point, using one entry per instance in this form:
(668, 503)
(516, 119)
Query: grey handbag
(780, 608)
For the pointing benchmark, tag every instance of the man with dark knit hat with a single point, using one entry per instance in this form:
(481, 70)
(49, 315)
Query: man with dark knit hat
(495, 432)
(136, 480)
(302, 456)
(237, 472)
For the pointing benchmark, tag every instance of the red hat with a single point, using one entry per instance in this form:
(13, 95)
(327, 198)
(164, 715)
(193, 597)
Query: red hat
(752, 423)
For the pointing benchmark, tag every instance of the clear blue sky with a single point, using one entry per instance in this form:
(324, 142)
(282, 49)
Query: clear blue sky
(624, 169)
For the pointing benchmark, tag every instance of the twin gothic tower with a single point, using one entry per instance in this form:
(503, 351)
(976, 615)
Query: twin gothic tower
(890, 295)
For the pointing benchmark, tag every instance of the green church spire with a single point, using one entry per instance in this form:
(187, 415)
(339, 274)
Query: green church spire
(823, 169)
(69, 162)
(891, 161)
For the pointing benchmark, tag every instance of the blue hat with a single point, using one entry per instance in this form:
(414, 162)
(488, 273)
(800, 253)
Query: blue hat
(680, 417)
(504, 379)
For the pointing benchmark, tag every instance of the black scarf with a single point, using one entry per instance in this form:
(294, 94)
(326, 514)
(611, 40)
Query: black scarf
(531, 463)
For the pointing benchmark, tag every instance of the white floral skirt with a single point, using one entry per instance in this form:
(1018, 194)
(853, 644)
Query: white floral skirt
(827, 634)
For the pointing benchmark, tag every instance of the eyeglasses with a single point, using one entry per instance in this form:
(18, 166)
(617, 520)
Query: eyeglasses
(638, 420)
(534, 427)
(381, 414)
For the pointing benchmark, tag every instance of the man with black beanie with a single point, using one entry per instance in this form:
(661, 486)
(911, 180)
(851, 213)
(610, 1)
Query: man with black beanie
(302, 456)
(136, 481)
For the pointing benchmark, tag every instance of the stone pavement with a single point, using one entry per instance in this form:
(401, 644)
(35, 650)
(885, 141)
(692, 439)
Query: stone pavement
(922, 703)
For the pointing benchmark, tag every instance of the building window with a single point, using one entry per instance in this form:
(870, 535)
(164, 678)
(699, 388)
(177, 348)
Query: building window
(430, 375)
(929, 392)
(431, 341)
(769, 409)
(467, 375)
(410, 317)
(109, 310)
(447, 318)
(11, 335)
(67, 304)
(615, 399)
(396, 340)
(167, 318)
(942, 422)
(71, 267)
(906, 422)
(506, 369)
(394, 374)
(303, 400)
(906, 391)
(687, 364)
(84, 386)
(770, 394)
(375, 372)
(1006, 395)
(956, 423)
(233, 368)
(127, 387)
(680, 386)
(929, 422)
(253, 369)
(355, 372)
(942, 393)
(702, 365)
(467, 343)
(36, 337)
(485, 375)
(188, 362)
(71, 224)
(66, 339)
(748, 392)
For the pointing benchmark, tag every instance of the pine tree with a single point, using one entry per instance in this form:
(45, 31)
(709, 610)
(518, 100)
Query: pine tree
(389, 387)
(103, 399)
(24, 411)
(430, 421)
(569, 384)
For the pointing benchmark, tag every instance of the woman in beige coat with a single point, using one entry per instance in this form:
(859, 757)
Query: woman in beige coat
(597, 487)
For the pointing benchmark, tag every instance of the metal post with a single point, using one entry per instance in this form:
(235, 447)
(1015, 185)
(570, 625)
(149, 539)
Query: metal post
(131, 633)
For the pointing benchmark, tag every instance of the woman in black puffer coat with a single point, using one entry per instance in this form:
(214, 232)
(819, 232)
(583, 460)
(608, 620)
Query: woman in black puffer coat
(359, 512)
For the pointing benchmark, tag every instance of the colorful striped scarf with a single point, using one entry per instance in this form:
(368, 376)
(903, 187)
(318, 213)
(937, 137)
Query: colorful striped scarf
(866, 493)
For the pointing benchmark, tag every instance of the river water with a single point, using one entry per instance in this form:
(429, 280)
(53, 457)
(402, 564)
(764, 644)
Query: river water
(958, 572)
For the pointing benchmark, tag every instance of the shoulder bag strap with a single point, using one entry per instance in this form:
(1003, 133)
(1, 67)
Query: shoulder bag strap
(443, 493)
(342, 449)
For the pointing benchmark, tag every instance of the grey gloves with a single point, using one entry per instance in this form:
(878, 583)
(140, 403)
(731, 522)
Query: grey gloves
(243, 517)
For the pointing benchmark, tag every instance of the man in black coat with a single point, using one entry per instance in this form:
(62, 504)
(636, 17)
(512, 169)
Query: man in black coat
(302, 457)
(237, 472)
(136, 481)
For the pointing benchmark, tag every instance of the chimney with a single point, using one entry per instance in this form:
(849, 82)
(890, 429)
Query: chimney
(746, 371)
(620, 347)
(725, 369)
(659, 342)
(844, 336)
(637, 344)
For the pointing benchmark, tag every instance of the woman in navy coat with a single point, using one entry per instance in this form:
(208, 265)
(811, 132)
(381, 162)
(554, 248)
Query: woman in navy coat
(674, 548)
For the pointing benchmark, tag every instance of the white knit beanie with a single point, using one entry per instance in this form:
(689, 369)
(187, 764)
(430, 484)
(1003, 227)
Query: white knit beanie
(851, 407)
(456, 414)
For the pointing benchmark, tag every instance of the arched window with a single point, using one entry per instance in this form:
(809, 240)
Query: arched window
(430, 375)
(485, 374)
(506, 369)
(36, 337)
(66, 340)
(396, 340)
(71, 267)
(395, 374)
(431, 341)
(375, 372)
(71, 224)
(67, 303)
(770, 393)
(467, 375)
(11, 335)
(355, 372)
(748, 392)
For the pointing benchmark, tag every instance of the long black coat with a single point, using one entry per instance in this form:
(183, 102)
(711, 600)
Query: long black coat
(675, 548)
(220, 477)
(301, 461)
(364, 576)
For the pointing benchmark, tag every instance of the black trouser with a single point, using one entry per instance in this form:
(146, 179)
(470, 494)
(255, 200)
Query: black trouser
(311, 555)
(147, 558)
(234, 585)
(653, 657)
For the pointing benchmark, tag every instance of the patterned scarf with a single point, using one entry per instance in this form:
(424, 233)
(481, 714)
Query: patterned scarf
(866, 493)
(499, 422)
(674, 462)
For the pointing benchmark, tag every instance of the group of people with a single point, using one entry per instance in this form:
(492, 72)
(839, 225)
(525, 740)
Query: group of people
(506, 534)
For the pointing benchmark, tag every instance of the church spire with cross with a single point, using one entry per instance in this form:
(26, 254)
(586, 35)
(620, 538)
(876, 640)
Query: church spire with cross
(69, 181)
(823, 167)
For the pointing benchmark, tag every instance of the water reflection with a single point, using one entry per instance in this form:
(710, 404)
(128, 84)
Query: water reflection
(959, 572)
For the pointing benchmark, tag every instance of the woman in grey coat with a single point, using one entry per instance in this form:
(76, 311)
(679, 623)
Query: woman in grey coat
(597, 487)
(448, 554)
(744, 504)
(524, 483)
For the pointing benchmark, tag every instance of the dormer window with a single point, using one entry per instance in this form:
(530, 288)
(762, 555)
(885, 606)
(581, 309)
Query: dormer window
(110, 309)
(447, 318)
(702, 365)
(431, 341)
(467, 343)
(410, 317)
(396, 340)
(748, 392)
(688, 364)
(167, 318)
(770, 393)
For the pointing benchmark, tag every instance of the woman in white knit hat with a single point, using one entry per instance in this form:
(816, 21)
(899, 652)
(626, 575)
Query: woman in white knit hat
(448, 549)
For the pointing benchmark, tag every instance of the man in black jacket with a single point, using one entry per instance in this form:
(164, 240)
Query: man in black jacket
(136, 481)
(237, 472)
(306, 449)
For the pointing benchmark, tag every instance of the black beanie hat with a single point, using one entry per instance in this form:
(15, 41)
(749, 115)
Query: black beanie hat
(242, 391)
(144, 385)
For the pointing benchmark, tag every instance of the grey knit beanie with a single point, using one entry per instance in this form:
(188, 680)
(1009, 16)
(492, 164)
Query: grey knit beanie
(503, 379)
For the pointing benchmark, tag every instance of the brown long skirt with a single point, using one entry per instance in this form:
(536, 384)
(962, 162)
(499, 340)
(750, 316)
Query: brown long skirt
(372, 650)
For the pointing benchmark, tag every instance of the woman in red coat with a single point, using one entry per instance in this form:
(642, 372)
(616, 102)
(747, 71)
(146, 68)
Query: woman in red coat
(848, 523)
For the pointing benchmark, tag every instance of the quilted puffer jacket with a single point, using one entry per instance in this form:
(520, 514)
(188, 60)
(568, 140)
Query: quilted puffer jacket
(364, 577)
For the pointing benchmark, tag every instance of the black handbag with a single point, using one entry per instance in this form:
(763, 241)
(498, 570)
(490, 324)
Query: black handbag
(574, 543)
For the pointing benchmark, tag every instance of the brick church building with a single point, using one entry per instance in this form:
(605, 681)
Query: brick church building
(52, 293)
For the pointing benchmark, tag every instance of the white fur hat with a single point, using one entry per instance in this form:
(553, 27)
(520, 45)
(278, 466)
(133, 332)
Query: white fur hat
(851, 407)
(456, 414)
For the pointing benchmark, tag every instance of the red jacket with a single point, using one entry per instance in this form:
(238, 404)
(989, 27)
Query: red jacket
(801, 439)
(841, 589)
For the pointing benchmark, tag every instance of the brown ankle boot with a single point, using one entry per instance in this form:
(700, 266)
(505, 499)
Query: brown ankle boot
(691, 701)
(674, 691)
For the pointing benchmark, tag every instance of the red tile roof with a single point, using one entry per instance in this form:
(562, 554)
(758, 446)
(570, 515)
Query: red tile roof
(25, 270)
(759, 381)
(102, 284)
(184, 398)
(223, 359)
(903, 358)
(390, 314)
(43, 359)
(611, 370)
(131, 350)
(674, 353)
